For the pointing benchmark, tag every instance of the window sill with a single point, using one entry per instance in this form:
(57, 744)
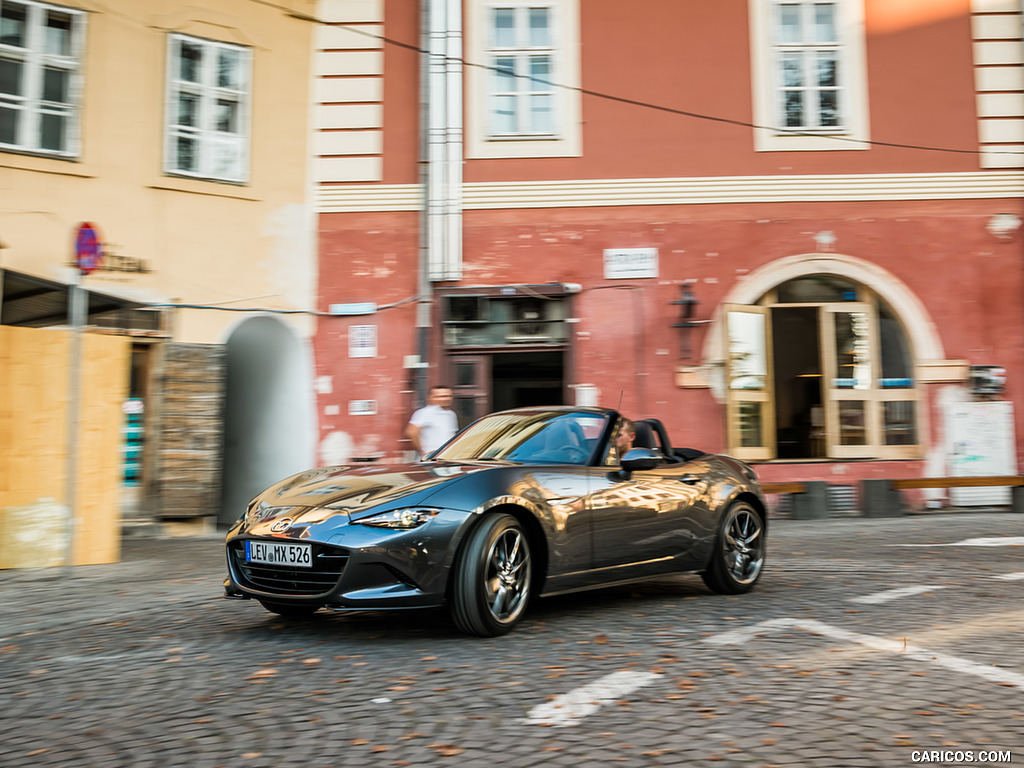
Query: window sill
(200, 187)
(525, 137)
(62, 166)
(780, 140)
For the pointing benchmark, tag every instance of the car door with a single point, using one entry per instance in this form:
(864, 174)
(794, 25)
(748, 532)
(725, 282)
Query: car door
(647, 521)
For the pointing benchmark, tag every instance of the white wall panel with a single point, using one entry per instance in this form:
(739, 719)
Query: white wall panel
(1009, 156)
(995, 6)
(997, 27)
(1000, 78)
(987, 53)
(348, 89)
(347, 169)
(348, 143)
(1003, 131)
(1000, 104)
(348, 116)
(344, 38)
(350, 10)
(348, 63)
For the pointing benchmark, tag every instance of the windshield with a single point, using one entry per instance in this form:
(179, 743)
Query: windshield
(529, 437)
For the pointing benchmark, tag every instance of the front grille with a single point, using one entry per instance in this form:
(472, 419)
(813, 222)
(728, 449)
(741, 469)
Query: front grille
(328, 565)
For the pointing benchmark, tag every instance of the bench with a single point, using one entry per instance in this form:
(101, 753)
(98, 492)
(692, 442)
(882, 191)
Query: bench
(810, 499)
(881, 498)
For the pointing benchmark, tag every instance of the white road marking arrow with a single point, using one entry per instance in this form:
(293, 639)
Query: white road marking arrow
(571, 707)
(993, 674)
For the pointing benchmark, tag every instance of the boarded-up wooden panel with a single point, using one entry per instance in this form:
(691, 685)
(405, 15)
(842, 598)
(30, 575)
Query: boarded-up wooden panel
(33, 446)
(105, 371)
(189, 426)
(34, 386)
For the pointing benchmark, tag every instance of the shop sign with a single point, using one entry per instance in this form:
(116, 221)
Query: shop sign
(626, 263)
(362, 341)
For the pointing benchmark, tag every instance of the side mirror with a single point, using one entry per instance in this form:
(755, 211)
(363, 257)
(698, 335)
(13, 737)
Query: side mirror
(639, 459)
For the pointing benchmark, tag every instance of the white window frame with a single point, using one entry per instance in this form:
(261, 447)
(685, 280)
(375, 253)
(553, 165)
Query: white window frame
(853, 130)
(206, 135)
(567, 138)
(34, 59)
(758, 393)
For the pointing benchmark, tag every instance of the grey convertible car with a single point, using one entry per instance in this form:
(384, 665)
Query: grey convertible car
(533, 501)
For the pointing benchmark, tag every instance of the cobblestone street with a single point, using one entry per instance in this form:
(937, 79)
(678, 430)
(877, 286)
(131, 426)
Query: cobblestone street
(142, 663)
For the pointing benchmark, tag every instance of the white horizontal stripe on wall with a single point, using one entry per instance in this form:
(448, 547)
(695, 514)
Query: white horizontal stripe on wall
(1000, 104)
(349, 63)
(996, 6)
(1001, 131)
(999, 81)
(1003, 26)
(687, 191)
(327, 169)
(1007, 156)
(348, 116)
(1000, 78)
(341, 89)
(348, 143)
(989, 53)
(350, 37)
(350, 11)
(348, 91)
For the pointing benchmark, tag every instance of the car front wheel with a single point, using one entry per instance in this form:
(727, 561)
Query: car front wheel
(739, 551)
(492, 578)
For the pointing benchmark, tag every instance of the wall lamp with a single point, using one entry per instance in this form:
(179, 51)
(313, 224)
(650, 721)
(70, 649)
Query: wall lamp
(687, 304)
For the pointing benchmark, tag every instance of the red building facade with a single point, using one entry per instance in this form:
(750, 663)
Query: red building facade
(786, 228)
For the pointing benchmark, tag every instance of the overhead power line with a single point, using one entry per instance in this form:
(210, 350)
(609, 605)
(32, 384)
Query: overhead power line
(664, 108)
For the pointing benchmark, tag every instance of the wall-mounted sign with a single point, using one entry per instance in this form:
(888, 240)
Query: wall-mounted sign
(362, 341)
(622, 263)
(359, 308)
(362, 407)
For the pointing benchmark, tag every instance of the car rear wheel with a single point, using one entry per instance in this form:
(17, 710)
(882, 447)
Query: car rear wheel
(492, 578)
(290, 611)
(739, 551)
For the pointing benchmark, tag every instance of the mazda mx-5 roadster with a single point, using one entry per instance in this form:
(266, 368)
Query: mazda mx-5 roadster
(522, 503)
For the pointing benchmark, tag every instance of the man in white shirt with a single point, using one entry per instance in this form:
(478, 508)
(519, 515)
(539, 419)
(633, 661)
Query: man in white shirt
(433, 425)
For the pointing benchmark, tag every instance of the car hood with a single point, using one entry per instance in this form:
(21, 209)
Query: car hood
(355, 490)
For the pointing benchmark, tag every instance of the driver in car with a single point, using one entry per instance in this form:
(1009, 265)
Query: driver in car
(625, 437)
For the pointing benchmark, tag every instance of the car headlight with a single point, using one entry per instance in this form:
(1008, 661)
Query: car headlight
(400, 519)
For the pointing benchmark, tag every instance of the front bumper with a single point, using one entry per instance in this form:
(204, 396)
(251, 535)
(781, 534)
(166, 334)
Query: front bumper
(355, 567)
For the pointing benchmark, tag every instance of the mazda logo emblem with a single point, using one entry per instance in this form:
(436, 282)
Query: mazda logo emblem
(282, 525)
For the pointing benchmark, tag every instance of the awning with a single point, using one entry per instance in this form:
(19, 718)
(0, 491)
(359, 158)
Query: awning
(38, 303)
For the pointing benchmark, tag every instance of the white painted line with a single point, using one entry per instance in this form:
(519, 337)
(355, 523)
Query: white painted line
(893, 594)
(1011, 577)
(570, 708)
(987, 672)
(995, 541)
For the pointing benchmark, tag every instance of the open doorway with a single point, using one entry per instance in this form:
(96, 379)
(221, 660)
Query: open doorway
(269, 419)
(483, 383)
(799, 411)
(521, 379)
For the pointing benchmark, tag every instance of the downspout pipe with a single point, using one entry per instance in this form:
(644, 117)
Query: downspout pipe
(441, 137)
(423, 284)
(453, 140)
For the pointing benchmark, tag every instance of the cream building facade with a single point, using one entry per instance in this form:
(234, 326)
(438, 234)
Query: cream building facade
(179, 133)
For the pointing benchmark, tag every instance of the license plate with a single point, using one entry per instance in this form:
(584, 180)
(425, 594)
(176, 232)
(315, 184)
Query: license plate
(279, 553)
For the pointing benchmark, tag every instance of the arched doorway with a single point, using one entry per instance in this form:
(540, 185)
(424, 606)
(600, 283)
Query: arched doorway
(819, 364)
(269, 422)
